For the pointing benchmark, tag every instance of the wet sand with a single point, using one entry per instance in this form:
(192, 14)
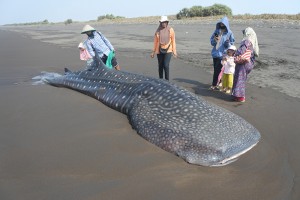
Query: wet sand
(59, 144)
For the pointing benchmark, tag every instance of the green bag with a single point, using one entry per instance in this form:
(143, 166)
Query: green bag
(110, 56)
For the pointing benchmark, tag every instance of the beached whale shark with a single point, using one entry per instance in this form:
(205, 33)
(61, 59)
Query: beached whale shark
(166, 115)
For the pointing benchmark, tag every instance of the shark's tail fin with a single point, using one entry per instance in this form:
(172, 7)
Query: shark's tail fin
(44, 77)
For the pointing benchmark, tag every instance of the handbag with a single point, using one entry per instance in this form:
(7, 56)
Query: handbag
(84, 55)
(110, 56)
(164, 51)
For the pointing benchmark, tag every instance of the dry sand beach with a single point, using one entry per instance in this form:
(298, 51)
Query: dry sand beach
(60, 144)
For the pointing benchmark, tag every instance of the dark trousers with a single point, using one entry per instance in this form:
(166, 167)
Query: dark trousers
(217, 70)
(163, 64)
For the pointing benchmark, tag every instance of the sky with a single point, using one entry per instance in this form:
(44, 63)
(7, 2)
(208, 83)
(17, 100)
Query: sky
(25, 11)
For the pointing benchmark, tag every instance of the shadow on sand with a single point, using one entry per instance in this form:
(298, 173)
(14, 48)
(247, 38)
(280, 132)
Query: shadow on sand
(203, 90)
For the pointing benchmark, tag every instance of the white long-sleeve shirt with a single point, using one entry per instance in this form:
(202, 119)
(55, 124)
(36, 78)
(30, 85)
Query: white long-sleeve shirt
(229, 65)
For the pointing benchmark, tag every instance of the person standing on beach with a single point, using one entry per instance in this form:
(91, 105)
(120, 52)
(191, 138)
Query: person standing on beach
(99, 46)
(221, 39)
(164, 46)
(229, 68)
(244, 65)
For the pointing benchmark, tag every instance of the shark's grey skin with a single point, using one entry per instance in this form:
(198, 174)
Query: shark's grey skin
(166, 115)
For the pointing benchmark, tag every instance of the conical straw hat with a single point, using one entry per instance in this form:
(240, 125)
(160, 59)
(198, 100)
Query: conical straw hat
(87, 28)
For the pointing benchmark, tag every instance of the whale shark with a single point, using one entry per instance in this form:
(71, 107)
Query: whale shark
(167, 115)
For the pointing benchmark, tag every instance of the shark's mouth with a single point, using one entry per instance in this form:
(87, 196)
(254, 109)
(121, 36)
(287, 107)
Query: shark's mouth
(233, 158)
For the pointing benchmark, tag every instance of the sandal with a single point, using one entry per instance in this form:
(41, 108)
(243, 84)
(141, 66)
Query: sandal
(212, 87)
(240, 99)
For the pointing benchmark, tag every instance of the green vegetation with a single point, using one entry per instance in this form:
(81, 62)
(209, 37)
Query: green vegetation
(68, 21)
(268, 16)
(199, 11)
(31, 23)
(45, 21)
(108, 16)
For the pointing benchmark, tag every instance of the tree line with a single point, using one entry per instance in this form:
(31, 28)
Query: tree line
(199, 11)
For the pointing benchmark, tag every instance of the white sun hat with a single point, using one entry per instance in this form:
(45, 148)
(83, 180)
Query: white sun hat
(232, 47)
(164, 19)
(87, 28)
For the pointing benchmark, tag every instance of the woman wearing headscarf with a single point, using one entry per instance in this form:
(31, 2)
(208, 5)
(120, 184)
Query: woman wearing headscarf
(221, 39)
(244, 63)
(164, 46)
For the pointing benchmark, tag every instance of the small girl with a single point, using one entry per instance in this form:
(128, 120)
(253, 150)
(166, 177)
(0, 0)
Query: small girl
(229, 68)
(84, 55)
